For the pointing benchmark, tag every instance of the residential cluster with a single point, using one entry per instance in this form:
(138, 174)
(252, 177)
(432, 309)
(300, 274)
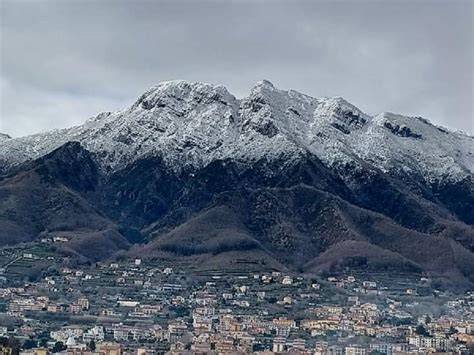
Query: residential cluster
(137, 307)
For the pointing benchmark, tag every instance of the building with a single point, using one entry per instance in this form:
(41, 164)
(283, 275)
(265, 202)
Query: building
(287, 280)
(6, 350)
(84, 303)
(355, 350)
(278, 345)
(110, 349)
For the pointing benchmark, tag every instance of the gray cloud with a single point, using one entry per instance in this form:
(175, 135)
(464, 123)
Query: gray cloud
(63, 61)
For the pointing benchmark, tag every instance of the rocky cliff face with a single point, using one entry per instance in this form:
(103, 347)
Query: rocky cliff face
(309, 183)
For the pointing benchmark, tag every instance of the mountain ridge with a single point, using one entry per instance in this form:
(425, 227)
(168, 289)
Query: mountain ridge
(197, 123)
(278, 178)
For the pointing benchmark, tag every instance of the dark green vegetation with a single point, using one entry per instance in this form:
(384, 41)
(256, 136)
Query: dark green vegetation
(299, 214)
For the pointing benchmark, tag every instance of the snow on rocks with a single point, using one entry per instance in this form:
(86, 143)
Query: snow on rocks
(191, 124)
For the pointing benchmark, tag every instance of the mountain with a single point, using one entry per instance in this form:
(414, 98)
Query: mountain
(4, 136)
(45, 199)
(276, 179)
(193, 124)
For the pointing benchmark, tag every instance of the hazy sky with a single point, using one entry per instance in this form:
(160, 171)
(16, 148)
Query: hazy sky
(61, 62)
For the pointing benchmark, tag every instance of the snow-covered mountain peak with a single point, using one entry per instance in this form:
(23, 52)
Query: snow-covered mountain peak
(262, 86)
(192, 124)
(338, 107)
(338, 102)
(183, 93)
(264, 83)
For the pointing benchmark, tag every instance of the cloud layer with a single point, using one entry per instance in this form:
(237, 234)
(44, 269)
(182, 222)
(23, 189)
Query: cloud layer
(63, 61)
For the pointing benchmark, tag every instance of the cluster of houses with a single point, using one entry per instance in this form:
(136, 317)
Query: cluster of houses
(131, 307)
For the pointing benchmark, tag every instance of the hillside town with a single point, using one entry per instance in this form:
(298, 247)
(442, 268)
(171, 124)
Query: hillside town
(136, 307)
(231, 177)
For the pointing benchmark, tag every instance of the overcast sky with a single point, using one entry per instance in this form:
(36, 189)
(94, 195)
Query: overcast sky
(61, 62)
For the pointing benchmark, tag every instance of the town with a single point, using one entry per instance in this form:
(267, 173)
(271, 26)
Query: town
(138, 307)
